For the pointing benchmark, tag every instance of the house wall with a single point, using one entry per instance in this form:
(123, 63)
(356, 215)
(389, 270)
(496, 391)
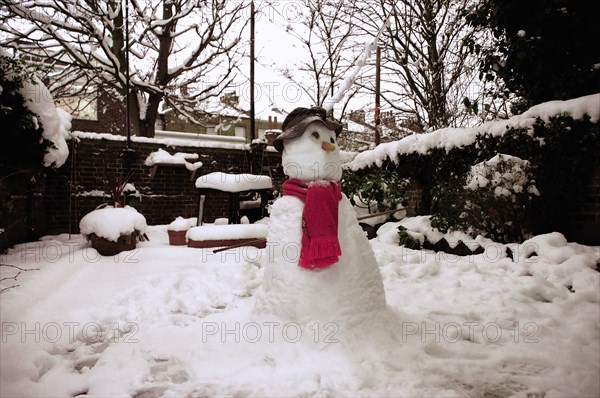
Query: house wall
(415, 199)
(75, 189)
(175, 123)
(110, 117)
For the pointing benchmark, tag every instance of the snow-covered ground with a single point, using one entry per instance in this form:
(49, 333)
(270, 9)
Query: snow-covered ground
(175, 321)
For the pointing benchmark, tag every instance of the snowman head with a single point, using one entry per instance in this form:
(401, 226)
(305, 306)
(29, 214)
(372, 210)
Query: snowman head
(309, 147)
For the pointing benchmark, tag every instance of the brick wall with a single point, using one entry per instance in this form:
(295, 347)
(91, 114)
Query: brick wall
(584, 226)
(75, 189)
(415, 199)
(21, 205)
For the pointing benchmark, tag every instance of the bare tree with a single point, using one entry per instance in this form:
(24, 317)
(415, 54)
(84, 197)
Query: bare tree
(173, 44)
(327, 33)
(426, 70)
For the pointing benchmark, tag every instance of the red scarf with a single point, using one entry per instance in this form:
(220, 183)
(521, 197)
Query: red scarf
(320, 244)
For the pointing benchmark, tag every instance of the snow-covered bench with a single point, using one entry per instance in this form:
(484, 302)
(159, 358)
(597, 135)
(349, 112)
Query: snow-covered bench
(227, 235)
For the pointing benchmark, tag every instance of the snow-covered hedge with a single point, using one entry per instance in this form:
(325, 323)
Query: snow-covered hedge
(34, 131)
(448, 139)
(559, 141)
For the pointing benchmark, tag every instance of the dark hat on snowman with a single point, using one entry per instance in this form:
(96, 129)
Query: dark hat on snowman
(294, 124)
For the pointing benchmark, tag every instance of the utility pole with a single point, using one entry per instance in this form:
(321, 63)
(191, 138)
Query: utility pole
(252, 121)
(127, 106)
(128, 153)
(377, 95)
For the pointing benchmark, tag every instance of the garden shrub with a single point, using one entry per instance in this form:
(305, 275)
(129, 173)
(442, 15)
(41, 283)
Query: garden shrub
(377, 191)
(561, 154)
(21, 143)
(407, 240)
(492, 201)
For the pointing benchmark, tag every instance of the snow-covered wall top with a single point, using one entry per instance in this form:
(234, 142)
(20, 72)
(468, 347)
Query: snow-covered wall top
(449, 138)
(164, 141)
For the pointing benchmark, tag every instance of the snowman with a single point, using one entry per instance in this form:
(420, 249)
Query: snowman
(320, 264)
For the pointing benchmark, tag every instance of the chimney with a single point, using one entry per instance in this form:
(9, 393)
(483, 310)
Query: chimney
(230, 99)
(270, 125)
(275, 122)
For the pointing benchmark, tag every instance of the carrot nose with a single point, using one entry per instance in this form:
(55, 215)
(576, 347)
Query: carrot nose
(328, 146)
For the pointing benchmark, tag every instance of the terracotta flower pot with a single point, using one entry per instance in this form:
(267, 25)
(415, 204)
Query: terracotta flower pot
(111, 248)
(177, 238)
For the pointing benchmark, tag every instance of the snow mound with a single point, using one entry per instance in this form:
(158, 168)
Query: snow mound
(182, 224)
(112, 222)
(420, 228)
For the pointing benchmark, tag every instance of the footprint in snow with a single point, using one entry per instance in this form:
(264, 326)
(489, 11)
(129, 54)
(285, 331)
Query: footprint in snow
(164, 374)
(87, 347)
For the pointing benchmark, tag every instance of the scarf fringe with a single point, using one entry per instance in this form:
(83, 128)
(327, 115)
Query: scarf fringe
(322, 252)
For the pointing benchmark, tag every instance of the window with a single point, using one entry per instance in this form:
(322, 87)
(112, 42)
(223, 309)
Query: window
(240, 131)
(82, 106)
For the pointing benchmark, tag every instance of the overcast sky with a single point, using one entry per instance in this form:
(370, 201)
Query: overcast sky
(275, 49)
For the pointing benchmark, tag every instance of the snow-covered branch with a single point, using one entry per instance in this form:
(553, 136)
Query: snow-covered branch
(361, 62)
(172, 42)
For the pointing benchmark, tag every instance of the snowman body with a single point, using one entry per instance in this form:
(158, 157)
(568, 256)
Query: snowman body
(345, 291)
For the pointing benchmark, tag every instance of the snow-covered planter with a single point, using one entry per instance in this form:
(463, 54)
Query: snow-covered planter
(177, 238)
(178, 229)
(228, 235)
(112, 230)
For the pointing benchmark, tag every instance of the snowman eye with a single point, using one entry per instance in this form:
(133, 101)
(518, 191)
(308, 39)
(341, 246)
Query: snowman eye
(315, 134)
(332, 140)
